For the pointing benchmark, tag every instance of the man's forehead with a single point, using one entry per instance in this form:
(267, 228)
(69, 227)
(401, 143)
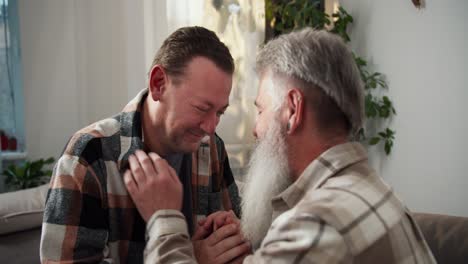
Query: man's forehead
(211, 102)
(262, 94)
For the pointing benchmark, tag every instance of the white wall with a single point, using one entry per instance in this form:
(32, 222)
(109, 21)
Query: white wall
(82, 61)
(424, 55)
(51, 94)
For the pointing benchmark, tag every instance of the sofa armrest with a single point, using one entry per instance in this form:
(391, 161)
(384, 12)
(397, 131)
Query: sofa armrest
(446, 235)
(22, 210)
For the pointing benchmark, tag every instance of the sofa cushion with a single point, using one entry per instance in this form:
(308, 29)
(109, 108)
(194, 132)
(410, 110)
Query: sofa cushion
(446, 235)
(21, 210)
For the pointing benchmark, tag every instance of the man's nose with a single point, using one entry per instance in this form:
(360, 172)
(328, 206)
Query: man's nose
(254, 131)
(209, 124)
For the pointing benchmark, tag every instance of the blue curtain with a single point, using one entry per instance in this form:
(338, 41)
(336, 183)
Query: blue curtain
(11, 100)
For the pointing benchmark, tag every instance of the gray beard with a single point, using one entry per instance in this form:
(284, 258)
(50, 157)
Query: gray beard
(267, 176)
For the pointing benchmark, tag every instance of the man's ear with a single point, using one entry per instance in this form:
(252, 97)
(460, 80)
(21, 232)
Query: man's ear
(157, 82)
(295, 109)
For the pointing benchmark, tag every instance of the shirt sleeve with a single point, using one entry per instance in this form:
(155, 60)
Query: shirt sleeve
(301, 238)
(168, 239)
(74, 227)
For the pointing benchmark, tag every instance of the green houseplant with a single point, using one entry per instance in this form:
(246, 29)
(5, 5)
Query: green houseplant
(28, 175)
(285, 16)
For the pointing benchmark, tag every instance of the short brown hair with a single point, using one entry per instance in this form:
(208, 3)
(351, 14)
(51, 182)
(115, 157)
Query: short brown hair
(189, 42)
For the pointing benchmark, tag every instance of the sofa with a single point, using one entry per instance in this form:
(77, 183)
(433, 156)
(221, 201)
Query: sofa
(446, 235)
(21, 215)
(20, 225)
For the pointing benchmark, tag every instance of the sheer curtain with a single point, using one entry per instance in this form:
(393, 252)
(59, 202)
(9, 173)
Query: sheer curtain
(184, 13)
(10, 80)
(11, 101)
(7, 122)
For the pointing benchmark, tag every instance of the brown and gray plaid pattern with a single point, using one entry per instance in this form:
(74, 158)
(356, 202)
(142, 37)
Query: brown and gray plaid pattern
(338, 211)
(89, 216)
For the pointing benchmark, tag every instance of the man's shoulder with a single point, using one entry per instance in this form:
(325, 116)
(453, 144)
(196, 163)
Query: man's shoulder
(92, 137)
(348, 193)
(362, 208)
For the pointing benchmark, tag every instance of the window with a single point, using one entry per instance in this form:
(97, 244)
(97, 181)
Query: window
(11, 90)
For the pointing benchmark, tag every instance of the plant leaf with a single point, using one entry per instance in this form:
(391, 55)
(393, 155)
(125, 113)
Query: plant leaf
(374, 141)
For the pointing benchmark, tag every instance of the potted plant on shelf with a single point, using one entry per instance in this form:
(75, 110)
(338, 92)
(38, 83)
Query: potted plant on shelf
(8, 142)
(3, 140)
(28, 175)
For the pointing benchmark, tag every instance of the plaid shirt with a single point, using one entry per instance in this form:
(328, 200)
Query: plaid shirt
(338, 211)
(90, 217)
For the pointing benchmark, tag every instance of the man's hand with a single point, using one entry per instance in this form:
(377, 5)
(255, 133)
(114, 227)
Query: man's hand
(240, 259)
(152, 184)
(222, 246)
(219, 219)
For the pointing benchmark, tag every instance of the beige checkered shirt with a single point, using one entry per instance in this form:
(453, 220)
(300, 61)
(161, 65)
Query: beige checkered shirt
(338, 211)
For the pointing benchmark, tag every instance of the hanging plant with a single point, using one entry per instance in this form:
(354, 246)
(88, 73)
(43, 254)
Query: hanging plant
(286, 16)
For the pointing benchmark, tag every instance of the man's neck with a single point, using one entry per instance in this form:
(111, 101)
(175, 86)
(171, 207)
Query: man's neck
(152, 133)
(305, 151)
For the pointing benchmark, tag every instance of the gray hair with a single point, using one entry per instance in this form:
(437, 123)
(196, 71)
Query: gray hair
(317, 59)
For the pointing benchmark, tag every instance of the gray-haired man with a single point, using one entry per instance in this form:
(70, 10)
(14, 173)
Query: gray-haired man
(311, 196)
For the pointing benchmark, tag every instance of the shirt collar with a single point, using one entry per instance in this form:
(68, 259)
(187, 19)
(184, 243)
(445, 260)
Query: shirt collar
(131, 129)
(327, 165)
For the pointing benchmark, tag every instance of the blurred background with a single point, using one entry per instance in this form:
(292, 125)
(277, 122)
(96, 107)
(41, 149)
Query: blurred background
(72, 62)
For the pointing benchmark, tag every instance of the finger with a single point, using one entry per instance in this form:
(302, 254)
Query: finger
(202, 222)
(228, 218)
(160, 165)
(231, 212)
(209, 220)
(240, 259)
(174, 174)
(130, 182)
(232, 219)
(222, 233)
(200, 233)
(221, 220)
(137, 171)
(234, 252)
(228, 243)
(171, 171)
(146, 163)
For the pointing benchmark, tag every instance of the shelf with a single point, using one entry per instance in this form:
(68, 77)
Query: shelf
(12, 155)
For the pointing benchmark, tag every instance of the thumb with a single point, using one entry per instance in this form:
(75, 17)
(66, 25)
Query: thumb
(202, 222)
(200, 233)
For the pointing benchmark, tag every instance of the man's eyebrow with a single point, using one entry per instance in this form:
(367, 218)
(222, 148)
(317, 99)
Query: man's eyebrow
(210, 105)
(255, 103)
